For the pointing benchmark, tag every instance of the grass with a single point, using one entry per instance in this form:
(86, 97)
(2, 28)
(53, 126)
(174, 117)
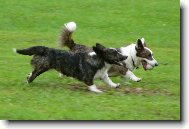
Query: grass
(112, 23)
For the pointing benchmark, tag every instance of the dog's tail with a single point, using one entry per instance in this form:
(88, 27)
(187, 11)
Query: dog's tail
(66, 35)
(35, 50)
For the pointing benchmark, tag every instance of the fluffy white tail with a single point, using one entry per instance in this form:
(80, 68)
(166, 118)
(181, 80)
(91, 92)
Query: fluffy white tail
(71, 26)
(66, 35)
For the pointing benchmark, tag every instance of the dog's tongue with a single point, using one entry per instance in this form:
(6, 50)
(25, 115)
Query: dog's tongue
(144, 64)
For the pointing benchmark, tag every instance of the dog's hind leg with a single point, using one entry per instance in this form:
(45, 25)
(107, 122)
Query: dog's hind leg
(131, 76)
(36, 72)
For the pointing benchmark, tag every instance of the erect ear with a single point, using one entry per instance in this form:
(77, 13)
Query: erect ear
(97, 51)
(143, 42)
(99, 46)
(139, 45)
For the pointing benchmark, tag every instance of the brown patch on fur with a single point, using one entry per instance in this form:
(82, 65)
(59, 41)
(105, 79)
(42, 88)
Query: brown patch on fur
(117, 70)
(66, 39)
(142, 51)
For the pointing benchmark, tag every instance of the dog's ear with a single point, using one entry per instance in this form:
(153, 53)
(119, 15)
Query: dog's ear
(100, 47)
(97, 50)
(139, 45)
(143, 42)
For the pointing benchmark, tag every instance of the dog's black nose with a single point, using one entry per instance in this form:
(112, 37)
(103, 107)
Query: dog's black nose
(156, 64)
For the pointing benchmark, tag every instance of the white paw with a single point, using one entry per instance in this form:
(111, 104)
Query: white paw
(136, 79)
(116, 85)
(93, 88)
(28, 77)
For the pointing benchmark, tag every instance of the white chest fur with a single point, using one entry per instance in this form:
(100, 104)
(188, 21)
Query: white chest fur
(101, 72)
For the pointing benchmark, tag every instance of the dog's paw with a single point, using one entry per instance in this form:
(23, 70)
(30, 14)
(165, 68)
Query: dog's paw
(116, 85)
(93, 88)
(136, 79)
(28, 77)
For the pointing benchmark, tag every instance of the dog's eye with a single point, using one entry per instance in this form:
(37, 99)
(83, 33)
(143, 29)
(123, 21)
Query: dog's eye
(150, 55)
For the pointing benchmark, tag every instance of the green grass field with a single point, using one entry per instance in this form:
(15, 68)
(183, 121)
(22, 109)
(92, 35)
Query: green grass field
(114, 24)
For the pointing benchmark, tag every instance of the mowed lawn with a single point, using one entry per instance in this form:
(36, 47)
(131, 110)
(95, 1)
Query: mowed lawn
(114, 24)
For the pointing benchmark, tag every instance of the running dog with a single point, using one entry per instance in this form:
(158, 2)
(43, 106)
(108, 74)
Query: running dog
(83, 66)
(138, 53)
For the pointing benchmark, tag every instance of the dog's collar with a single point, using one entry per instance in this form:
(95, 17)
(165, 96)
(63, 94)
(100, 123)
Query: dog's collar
(133, 60)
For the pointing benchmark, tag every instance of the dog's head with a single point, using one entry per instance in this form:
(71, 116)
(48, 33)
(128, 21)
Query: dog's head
(146, 55)
(110, 55)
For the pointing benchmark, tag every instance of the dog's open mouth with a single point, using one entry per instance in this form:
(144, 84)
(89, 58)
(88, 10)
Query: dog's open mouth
(118, 63)
(144, 64)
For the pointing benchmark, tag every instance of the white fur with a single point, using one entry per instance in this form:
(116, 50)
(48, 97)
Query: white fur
(108, 81)
(94, 89)
(29, 75)
(131, 76)
(103, 74)
(142, 40)
(151, 62)
(71, 26)
(148, 50)
(92, 53)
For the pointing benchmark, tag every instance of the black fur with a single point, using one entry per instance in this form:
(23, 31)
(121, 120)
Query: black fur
(79, 65)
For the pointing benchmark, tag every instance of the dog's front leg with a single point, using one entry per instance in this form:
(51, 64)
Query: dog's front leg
(108, 81)
(131, 76)
(93, 88)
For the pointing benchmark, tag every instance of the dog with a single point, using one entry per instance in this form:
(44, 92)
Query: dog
(138, 54)
(83, 66)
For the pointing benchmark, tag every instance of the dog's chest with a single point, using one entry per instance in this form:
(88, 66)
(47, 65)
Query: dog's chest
(101, 72)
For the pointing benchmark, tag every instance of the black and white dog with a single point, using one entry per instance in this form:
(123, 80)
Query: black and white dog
(82, 65)
(137, 53)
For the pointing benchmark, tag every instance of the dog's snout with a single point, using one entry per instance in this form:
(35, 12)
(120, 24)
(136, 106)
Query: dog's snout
(124, 57)
(156, 64)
